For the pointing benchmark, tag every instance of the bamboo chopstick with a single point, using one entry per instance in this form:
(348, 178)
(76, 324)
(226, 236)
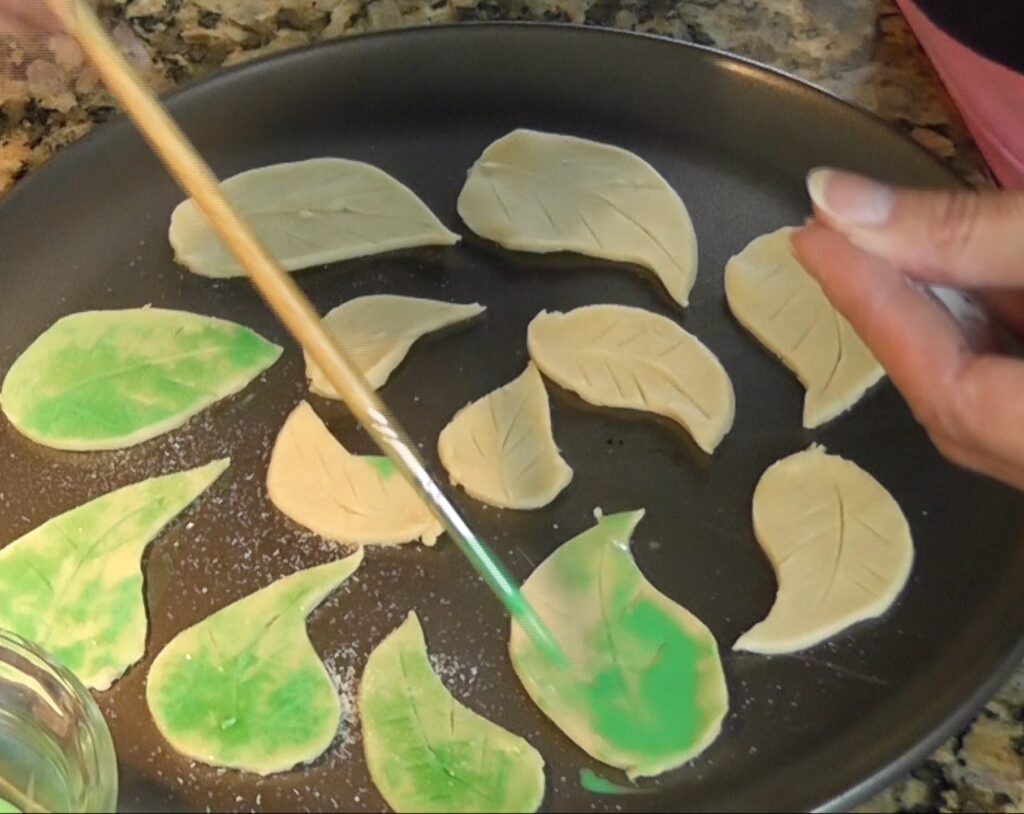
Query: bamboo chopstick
(289, 303)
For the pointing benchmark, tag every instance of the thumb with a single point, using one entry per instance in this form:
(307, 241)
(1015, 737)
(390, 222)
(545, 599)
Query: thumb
(956, 238)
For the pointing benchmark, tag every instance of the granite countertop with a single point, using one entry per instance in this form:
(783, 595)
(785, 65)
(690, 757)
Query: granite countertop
(858, 49)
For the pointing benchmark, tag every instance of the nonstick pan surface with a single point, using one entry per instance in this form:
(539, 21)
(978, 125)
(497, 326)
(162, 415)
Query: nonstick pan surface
(821, 728)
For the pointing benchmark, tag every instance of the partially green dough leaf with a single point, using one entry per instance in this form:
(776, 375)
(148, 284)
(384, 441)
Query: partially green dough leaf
(244, 688)
(645, 691)
(7, 808)
(425, 751)
(110, 379)
(74, 585)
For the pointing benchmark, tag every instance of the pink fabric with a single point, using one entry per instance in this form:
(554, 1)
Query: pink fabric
(989, 95)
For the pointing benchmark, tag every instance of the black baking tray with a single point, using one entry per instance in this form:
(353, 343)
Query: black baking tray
(822, 728)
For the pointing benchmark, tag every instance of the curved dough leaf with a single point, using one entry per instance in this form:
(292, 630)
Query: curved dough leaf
(501, 448)
(111, 379)
(617, 356)
(426, 751)
(541, 192)
(353, 499)
(244, 688)
(74, 584)
(377, 332)
(839, 544)
(646, 691)
(308, 213)
(775, 299)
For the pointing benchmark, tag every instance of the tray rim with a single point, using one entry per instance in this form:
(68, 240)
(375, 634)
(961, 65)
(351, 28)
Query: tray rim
(967, 709)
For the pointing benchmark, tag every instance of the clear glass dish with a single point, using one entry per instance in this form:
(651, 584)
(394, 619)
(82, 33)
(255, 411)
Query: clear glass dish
(56, 753)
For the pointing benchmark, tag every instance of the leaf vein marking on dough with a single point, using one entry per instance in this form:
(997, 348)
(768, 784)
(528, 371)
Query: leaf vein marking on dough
(520, 409)
(523, 437)
(874, 532)
(501, 201)
(84, 555)
(497, 434)
(840, 543)
(330, 481)
(804, 336)
(614, 378)
(547, 214)
(31, 566)
(656, 369)
(159, 361)
(530, 465)
(796, 552)
(789, 300)
(771, 274)
(421, 730)
(603, 599)
(678, 388)
(654, 238)
(593, 233)
(476, 443)
(671, 349)
(839, 351)
(863, 587)
(604, 331)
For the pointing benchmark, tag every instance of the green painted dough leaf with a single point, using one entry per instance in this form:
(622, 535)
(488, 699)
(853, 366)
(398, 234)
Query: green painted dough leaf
(110, 379)
(646, 691)
(74, 585)
(244, 688)
(7, 808)
(425, 751)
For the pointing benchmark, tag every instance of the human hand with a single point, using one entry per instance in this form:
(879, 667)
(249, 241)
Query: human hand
(870, 244)
(26, 17)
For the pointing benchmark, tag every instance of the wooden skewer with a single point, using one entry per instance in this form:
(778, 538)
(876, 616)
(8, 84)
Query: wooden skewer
(287, 300)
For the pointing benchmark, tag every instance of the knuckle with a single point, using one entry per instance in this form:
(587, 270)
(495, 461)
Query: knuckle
(953, 226)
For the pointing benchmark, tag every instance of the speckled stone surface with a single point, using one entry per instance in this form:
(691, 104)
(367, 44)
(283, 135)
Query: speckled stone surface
(858, 49)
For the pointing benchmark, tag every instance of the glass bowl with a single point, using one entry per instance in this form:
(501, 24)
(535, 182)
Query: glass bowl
(55, 749)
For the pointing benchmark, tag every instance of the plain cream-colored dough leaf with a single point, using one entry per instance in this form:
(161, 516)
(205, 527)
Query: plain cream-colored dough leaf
(377, 332)
(619, 356)
(101, 380)
(244, 688)
(308, 213)
(501, 449)
(352, 499)
(74, 584)
(775, 299)
(840, 546)
(645, 690)
(425, 751)
(542, 192)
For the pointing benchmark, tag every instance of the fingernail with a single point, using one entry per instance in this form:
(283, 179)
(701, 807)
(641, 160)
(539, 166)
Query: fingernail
(849, 199)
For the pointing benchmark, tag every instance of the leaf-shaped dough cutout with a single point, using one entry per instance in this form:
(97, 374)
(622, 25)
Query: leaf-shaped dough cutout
(646, 691)
(774, 298)
(308, 213)
(618, 356)
(244, 688)
(839, 544)
(426, 751)
(353, 499)
(74, 584)
(541, 192)
(501, 448)
(111, 379)
(377, 332)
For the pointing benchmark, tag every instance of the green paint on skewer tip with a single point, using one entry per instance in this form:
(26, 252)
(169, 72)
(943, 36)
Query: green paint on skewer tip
(521, 611)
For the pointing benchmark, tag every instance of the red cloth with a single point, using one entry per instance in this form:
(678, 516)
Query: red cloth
(989, 95)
